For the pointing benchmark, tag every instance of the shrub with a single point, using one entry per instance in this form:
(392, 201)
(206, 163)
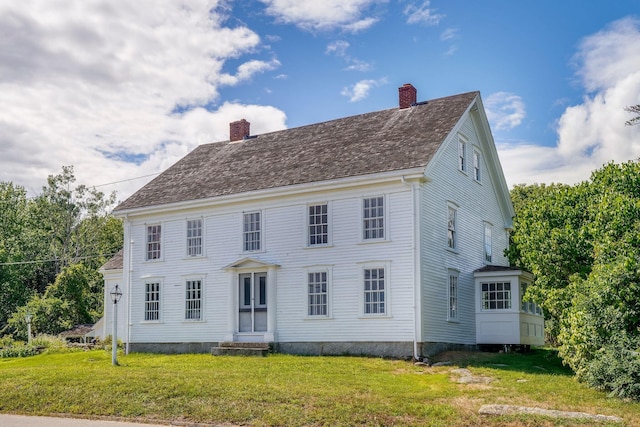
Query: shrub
(19, 350)
(616, 368)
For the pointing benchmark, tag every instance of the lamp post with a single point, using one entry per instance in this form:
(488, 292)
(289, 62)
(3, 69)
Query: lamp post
(116, 293)
(28, 318)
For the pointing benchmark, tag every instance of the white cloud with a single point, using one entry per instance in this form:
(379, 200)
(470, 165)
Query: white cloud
(448, 34)
(593, 132)
(247, 70)
(361, 89)
(505, 110)
(93, 84)
(339, 49)
(314, 15)
(422, 14)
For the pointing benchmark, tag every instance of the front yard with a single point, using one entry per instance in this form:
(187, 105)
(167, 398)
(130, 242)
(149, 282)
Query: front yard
(300, 391)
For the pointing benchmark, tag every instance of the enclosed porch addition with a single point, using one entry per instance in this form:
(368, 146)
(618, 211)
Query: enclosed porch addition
(503, 317)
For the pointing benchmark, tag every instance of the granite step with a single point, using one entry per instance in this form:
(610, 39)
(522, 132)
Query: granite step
(241, 349)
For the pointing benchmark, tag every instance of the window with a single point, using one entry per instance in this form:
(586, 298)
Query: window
(193, 300)
(453, 295)
(154, 236)
(194, 237)
(496, 296)
(487, 242)
(451, 228)
(251, 231)
(318, 293)
(374, 291)
(318, 225)
(152, 301)
(373, 218)
(462, 148)
(476, 166)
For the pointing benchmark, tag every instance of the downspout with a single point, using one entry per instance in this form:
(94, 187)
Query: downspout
(416, 268)
(129, 275)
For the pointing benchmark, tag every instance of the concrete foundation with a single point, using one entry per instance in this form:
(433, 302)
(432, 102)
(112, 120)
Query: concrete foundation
(172, 348)
(395, 350)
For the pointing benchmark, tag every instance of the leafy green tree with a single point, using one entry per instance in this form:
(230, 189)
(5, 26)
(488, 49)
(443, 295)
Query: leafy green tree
(583, 243)
(52, 245)
(549, 240)
(635, 109)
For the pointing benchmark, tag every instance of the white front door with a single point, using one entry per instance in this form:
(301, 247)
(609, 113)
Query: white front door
(252, 307)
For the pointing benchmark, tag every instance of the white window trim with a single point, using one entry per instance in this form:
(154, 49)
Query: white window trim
(385, 222)
(387, 288)
(456, 231)
(477, 177)
(262, 231)
(203, 238)
(319, 269)
(146, 241)
(306, 235)
(453, 272)
(465, 163)
(202, 278)
(510, 299)
(146, 281)
(485, 255)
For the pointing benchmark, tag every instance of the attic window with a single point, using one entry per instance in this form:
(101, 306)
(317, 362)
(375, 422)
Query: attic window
(462, 153)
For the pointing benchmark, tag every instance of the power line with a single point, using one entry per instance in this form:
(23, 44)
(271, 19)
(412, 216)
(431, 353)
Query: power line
(42, 261)
(125, 180)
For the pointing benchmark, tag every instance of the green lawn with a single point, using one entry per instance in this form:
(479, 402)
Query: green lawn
(297, 391)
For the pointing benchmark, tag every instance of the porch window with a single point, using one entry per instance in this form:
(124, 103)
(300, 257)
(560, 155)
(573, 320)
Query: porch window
(318, 294)
(373, 218)
(251, 232)
(193, 300)
(318, 225)
(154, 237)
(152, 301)
(496, 296)
(194, 237)
(374, 291)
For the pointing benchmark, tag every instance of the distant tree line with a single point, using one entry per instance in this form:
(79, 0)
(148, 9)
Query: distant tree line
(51, 247)
(582, 242)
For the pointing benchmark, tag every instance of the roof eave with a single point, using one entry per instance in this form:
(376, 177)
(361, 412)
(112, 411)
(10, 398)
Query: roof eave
(416, 173)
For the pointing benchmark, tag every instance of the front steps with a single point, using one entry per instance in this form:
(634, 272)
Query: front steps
(241, 349)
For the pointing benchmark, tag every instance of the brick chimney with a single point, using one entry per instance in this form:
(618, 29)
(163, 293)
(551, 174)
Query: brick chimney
(238, 130)
(408, 95)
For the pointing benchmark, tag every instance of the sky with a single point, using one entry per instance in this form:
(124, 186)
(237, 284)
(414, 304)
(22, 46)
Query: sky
(121, 89)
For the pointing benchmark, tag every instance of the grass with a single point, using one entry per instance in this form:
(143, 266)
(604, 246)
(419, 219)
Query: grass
(284, 390)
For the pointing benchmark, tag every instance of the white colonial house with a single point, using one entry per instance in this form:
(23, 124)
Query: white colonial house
(378, 234)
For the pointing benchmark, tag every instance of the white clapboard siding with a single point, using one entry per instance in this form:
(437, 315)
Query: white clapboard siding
(476, 203)
(284, 240)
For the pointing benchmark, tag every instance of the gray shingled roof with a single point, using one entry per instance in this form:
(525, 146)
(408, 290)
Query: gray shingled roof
(115, 263)
(369, 143)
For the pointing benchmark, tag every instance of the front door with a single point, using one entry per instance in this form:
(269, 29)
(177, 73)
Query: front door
(252, 291)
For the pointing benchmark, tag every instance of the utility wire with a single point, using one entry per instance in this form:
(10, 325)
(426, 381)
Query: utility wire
(42, 261)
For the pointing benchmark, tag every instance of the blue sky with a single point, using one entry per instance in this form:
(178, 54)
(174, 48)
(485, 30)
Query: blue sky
(124, 89)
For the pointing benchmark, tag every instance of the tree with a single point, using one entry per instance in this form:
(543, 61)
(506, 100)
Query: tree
(583, 243)
(51, 247)
(635, 109)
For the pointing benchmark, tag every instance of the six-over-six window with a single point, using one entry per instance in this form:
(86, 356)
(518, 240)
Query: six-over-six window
(375, 291)
(373, 218)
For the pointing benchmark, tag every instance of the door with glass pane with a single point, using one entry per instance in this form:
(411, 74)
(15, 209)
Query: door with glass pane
(252, 289)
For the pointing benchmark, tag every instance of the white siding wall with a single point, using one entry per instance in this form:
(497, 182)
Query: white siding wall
(284, 243)
(476, 203)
